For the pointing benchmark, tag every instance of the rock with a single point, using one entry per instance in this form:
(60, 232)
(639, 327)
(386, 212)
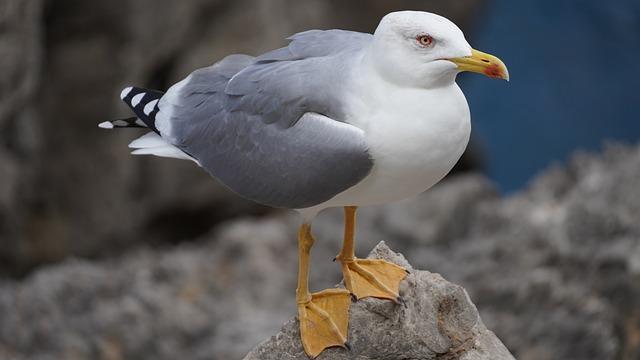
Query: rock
(195, 302)
(437, 320)
(554, 271)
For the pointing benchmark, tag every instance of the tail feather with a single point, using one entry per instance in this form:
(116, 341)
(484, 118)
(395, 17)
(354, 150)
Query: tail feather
(144, 103)
(148, 140)
(152, 144)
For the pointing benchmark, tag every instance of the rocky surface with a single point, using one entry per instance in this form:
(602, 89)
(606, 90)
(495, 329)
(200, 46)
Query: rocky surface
(436, 320)
(554, 271)
(69, 188)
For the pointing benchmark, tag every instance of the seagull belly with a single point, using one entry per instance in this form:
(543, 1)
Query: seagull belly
(415, 138)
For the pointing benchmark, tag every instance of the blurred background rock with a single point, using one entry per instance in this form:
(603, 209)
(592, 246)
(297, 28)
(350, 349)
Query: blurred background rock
(68, 189)
(554, 271)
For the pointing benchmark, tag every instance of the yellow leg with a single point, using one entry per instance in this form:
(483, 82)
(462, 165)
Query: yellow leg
(323, 316)
(367, 277)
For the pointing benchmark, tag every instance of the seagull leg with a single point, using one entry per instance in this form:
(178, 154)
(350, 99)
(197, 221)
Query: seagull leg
(323, 316)
(367, 277)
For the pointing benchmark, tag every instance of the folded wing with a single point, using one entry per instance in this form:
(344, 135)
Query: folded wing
(273, 128)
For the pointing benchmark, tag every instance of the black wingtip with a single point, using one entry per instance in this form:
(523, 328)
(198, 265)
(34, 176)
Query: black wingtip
(144, 103)
(131, 122)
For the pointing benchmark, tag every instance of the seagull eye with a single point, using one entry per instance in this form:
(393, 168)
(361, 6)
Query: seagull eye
(424, 40)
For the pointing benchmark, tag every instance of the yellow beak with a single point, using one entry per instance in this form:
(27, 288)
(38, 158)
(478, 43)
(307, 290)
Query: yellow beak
(482, 63)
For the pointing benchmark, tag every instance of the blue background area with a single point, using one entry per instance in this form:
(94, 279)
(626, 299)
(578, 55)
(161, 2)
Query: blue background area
(575, 76)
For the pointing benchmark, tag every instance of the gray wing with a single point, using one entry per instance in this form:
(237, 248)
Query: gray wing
(272, 128)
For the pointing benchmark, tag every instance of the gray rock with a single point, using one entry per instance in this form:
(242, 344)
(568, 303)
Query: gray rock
(554, 271)
(205, 302)
(436, 321)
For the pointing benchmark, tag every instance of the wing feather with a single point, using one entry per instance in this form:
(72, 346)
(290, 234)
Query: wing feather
(272, 128)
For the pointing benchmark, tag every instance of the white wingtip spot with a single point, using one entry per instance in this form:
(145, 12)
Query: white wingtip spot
(150, 106)
(105, 125)
(125, 92)
(136, 99)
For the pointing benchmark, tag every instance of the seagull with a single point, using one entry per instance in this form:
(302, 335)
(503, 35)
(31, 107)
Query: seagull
(335, 119)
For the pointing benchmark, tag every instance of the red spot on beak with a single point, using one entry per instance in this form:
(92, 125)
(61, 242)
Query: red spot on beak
(493, 71)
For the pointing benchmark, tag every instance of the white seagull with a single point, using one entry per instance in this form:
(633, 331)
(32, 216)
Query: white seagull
(336, 118)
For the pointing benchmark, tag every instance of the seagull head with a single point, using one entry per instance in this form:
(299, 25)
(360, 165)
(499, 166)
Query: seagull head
(415, 48)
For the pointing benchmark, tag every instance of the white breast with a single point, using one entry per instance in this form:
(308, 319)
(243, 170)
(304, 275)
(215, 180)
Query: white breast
(415, 136)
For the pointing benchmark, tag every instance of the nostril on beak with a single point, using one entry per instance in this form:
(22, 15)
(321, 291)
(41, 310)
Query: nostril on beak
(486, 61)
